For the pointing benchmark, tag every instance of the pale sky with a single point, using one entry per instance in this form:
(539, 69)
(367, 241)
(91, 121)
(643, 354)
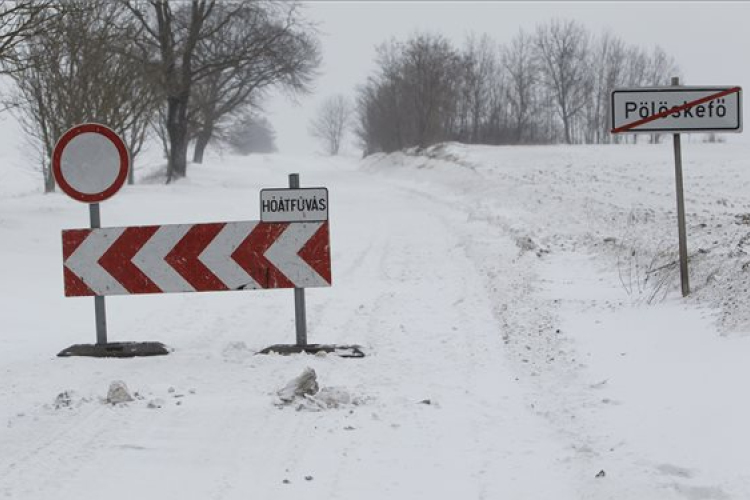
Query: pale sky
(709, 40)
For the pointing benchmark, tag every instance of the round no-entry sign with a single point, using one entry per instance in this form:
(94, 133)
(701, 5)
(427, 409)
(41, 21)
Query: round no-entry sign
(90, 162)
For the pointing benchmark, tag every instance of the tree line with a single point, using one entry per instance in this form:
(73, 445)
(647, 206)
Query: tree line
(551, 85)
(189, 72)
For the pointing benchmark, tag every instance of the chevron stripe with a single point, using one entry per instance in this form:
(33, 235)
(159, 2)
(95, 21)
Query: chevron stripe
(184, 258)
(284, 255)
(84, 262)
(118, 260)
(251, 256)
(317, 252)
(150, 259)
(218, 256)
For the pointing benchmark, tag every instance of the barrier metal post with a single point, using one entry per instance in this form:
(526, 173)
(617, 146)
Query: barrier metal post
(100, 311)
(300, 319)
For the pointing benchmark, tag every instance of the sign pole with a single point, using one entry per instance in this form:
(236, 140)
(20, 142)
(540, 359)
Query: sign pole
(90, 163)
(100, 312)
(684, 275)
(300, 319)
(675, 109)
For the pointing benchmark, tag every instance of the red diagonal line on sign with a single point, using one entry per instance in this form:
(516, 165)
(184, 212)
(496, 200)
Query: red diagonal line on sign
(250, 255)
(676, 109)
(317, 252)
(184, 258)
(71, 240)
(118, 260)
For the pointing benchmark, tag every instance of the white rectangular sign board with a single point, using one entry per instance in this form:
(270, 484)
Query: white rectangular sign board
(294, 205)
(676, 109)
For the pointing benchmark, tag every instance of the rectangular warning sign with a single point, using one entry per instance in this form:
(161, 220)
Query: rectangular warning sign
(677, 109)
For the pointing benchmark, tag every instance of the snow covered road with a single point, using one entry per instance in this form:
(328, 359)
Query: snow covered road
(440, 415)
(494, 331)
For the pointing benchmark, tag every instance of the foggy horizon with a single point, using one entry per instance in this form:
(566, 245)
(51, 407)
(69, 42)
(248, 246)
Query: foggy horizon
(351, 31)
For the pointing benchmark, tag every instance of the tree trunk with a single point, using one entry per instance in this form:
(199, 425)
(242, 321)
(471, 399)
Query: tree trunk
(177, 130)
(204, 137)
(49, 181)
(179, 155)
(566, 126)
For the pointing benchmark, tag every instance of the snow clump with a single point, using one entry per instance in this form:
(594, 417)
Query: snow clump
(305, 384)
(118, 393)
(305, 391)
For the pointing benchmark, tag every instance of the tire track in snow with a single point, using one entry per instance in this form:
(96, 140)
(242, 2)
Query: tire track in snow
(434, 337)
(52, 452)
(543, 357)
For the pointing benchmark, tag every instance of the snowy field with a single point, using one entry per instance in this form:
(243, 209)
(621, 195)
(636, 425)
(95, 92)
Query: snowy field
(519, 308)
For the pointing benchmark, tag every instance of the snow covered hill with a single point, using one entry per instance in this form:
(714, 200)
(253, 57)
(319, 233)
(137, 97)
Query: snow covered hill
(525, 337)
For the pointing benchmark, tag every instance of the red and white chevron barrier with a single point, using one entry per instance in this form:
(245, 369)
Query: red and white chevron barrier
(196, 258)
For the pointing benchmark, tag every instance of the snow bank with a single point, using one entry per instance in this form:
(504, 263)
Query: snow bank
(617, 202)
(644, 382)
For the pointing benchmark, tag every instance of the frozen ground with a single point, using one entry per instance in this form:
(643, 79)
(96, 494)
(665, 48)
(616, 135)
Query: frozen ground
(518, 306)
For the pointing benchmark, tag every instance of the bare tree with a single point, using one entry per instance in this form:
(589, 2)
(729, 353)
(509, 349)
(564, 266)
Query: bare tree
(521, 68)
(553, 86)
(72, 73)
(382, 122)
(18, 21)
(614, 76)
(331, 122)
(643, 70)
(429, 72)
(278, 50)
(636, 69)
(661, 68)
(481, 75)
(607, 71)
(562, 49)
(167, 42)
(413, 98)
(659, 73)
(199, 41)
(251, 133)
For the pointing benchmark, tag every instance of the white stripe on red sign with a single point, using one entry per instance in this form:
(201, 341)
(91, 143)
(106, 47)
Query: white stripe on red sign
(283, 254)
(196, 258)
(84, 262)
